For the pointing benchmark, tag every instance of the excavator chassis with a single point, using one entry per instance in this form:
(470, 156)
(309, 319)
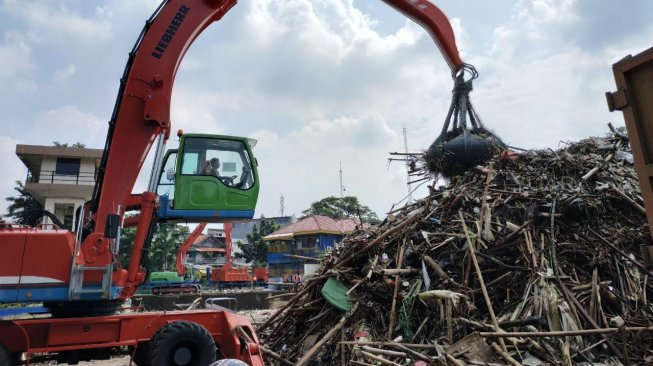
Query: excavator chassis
(233, 334)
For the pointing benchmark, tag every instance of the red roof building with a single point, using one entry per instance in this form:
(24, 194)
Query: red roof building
(309, 237)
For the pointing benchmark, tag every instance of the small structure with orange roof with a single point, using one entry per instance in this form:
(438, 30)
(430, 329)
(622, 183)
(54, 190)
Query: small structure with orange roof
(308, 237)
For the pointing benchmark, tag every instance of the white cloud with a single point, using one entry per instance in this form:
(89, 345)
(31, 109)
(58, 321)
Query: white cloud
(61, 76)
(535, 15)
(538, 85)
(379, 46)
(263, 27)
(15, 56)
(68, 124)
(328, 29)
(303, 165)
(12, 170)
(55, 19)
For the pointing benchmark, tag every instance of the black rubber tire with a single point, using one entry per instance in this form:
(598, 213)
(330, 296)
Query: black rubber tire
(143, 356)
(229, 362)
(6, 357)
(182, 343)
(80, 308)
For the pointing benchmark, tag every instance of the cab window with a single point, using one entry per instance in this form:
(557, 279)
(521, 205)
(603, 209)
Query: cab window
(226, 160)
(166, 177)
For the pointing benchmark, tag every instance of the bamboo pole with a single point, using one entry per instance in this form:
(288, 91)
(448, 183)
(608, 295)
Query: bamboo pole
(302, 257)
(290, 302)
(384, 352)
(564, 333)
(400, 258)
(413, 218)
(454, 360)
(399, 271)
(629, 200)
(269, 352)
(472, 253)
(505, 354)
(317, 346)
(392, 344)
(275, 355)
(378, 358)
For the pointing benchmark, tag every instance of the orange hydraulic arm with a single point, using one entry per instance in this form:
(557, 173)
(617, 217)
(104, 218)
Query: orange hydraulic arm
(181, 253)
(141, 114)
(228, 243)
(431, 18)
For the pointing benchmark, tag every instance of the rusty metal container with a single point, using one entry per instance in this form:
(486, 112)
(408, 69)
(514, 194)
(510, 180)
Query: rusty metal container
(634, 97)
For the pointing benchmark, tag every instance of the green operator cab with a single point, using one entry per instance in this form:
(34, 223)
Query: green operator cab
(210, 178)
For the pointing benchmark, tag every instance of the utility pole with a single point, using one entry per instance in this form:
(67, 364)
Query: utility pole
(410, 191)
(342, 188)
(281, 205)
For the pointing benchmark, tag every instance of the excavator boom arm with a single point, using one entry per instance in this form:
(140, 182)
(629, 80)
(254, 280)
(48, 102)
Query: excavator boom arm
(436, 23)
(181, 253)
(142, 110)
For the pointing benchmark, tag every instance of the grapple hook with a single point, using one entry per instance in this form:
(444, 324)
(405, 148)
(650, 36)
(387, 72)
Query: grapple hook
(460, 146)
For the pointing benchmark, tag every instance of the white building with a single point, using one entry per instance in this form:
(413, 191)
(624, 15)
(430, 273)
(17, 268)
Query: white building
(60, 178)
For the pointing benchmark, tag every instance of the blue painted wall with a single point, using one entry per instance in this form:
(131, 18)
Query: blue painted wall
(281, 266)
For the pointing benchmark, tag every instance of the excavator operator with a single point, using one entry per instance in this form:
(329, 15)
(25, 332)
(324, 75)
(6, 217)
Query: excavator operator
(215, 165)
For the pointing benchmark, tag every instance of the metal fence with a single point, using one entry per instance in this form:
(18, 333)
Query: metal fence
(52, 177)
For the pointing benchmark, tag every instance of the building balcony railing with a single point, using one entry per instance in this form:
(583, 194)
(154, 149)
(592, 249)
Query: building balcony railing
(52, 177)
(293, 251)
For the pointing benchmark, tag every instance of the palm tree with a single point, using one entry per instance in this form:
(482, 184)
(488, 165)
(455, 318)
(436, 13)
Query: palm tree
(22, 205)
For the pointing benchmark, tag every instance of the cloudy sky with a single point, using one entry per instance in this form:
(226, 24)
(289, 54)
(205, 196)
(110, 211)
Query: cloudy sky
(319, 82)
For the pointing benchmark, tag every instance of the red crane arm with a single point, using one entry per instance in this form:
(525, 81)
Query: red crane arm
(181, 253)
(429, 16)
(142, 110)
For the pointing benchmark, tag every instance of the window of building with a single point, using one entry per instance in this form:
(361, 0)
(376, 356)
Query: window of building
(306, 242)
(68, 166)
(65, 213)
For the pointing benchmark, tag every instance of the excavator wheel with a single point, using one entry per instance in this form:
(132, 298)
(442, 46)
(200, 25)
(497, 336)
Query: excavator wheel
(82, 308)
(7, 358)
(182, 343)
(142, 355)
(228, 362)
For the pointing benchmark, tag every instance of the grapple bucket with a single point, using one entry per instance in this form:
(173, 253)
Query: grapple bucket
(461, 147)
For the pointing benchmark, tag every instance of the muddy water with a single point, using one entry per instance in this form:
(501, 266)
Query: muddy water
(245, 300)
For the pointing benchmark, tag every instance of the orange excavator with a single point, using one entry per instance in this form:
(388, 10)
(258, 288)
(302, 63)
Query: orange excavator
(84, 282)
(226, 275)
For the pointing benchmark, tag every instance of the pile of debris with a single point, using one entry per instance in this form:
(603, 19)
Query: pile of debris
(532, 259)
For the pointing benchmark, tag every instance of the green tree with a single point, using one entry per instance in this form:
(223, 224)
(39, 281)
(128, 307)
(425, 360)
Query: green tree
(166, 241)
(126, 241)
(256, 250)
(342, 208)
(21, 205)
